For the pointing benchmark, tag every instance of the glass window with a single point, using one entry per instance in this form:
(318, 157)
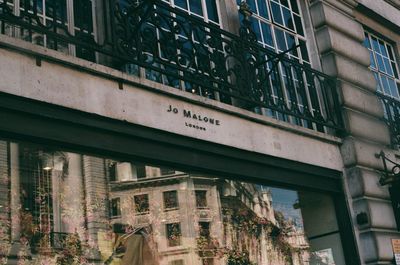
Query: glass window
(115, 207)
(142, 203)
(170, 199)
(174, 234)
(201, 198)
(69, 207)
(383, 65)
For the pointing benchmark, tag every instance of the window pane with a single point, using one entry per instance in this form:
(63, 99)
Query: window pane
(367, 42)
(196, 7)
(299, 26)
(212, 10)
(266, 30)
(388, 67)
(280, 39)
(381, 66)
(287, 18)
(263, 9)
(174, 234)
(142, 203)
(276, 13)
(393, 88)
(294, 5)
(372, 59)
(170, 199)
(181, 3)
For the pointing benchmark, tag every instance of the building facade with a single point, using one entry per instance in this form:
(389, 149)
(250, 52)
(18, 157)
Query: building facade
(199, 132)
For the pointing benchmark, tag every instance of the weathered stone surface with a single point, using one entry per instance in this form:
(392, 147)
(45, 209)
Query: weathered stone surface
(330, 39)
(359, 125)
(376, 246)
(365, 182)
(360, 99)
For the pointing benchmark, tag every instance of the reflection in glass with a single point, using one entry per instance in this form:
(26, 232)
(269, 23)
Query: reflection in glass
(70, 208)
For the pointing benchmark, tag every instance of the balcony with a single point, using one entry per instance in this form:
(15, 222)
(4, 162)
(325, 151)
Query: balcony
(154, 40)
(391, 108)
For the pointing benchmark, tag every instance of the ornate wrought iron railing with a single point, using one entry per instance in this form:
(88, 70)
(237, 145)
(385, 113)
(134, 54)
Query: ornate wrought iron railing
(180, 50)
(391, 108)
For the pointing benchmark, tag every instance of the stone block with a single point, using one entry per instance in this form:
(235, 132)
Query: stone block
(346, 69)
(364, 126)
(380, 213)
(330, 39)
(324, 14)
(364, 182)
(376, 246)
(355, 151)
(361, 100)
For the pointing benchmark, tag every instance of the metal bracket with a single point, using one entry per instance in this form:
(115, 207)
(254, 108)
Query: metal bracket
(389, 176)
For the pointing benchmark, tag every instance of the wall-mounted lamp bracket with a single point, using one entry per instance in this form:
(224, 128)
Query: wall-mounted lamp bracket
(391, 171)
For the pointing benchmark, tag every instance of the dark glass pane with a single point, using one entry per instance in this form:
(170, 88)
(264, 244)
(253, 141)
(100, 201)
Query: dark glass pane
(83, 15)
(195, 7)
(395, 70)
(252, 4)
(256, 28)
(276, 13)
(201, 198)
(291, 42)
(304, 52)
(299, 26)
(212, 10)
(294, 5)
(287, 18)
(280, 39)
(285, 3)
(181, 3)
(57, 9)
(263, 9)
(266, 31)
(390, 52)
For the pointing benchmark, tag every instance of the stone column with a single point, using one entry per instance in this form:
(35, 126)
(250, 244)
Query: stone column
(339, 39)
(96, 199)
(15, 192)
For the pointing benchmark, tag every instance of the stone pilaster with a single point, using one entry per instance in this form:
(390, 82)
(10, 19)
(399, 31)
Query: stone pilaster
(339, 38)
(96, 199)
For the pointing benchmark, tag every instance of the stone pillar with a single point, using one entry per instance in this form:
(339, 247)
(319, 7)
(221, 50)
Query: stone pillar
(339, 39)
(15, 192)
(96, 200)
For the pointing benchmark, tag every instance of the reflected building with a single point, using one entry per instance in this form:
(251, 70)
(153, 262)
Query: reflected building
(92, 208)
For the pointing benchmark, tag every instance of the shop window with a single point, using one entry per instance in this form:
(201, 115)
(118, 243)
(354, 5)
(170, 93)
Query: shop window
(201, 198)
(250, 223)
(115, 207)
(383, 65)
(142, 203)
(174, 234)
(170, 200)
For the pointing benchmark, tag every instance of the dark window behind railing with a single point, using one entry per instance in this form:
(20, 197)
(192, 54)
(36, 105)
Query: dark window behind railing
(180, 50)
(391, 108)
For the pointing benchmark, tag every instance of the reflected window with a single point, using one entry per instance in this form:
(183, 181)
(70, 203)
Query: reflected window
(174, 234)
(70, 205)
(142, 203)
(115, 207)
(170, 200)
(201, 198)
